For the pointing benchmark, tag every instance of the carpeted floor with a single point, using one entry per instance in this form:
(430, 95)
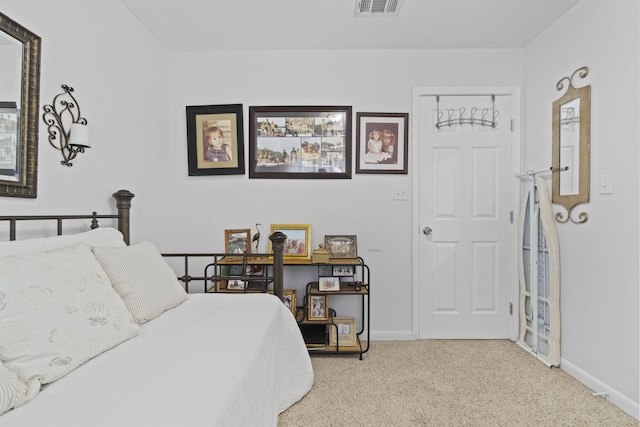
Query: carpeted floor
(447, 383)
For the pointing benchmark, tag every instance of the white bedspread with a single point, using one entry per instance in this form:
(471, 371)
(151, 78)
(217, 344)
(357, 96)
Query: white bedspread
(215, 360)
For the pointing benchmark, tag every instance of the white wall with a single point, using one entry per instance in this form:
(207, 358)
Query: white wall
(370, 81)
(599, 259)
(119, 73)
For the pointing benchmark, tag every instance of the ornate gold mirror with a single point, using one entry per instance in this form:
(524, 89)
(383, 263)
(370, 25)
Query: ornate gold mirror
(19, 97)
(571, 147)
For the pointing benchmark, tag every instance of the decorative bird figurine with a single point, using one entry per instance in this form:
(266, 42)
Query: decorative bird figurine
(256, 237)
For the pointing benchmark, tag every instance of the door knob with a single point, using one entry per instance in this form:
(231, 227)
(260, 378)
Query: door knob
(427, 231)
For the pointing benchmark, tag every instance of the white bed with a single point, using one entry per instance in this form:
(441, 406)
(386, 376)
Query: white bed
(219, 360)
(95, 332)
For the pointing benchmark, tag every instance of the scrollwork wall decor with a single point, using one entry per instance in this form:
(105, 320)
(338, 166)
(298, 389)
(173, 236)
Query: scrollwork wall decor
(67, 129)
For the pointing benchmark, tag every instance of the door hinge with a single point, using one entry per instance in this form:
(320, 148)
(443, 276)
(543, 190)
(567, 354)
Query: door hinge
(513, 125)
(511, 217)
(510, 308)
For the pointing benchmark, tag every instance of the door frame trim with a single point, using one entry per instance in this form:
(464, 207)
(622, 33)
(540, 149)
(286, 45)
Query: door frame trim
(516, 162)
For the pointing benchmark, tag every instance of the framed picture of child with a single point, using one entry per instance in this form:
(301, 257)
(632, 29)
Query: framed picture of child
(215, 140)
(382, 141)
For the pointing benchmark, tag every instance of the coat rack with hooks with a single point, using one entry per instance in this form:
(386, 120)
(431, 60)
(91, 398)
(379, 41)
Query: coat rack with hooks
(487, 117)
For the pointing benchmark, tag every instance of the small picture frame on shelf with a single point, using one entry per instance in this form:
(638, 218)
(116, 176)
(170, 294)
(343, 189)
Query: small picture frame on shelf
(325, 270)
(235, 285)
(296, 246)
(341, 247)
(255, 270)
(289, 299)
(328, 284)
(342, 270)
(235, 270)
(237, 241)
(343, 333)
(317, 309)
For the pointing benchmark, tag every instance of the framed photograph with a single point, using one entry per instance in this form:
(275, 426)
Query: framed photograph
(237, 241)
(317, 309)
(344, 332)
(343, 270)
(236, 270)
(215, 140)
(296, 246)
(235, 285)
(382, 141)
(328, 284)
(300, 142)
(289, 299)
(341, 246)
(325, 270)
(255, 270)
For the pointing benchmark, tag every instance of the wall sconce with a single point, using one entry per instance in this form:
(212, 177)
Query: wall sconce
(68, 131)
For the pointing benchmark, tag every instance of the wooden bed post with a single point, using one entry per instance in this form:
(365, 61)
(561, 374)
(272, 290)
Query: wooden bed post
(123, 203)
(277, 240)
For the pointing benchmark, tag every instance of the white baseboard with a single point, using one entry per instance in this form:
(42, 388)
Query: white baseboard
(620, 400)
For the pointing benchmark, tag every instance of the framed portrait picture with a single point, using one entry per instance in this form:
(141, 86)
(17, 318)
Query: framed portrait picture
(317, 309)
(300, 142)
(341, 246)
(237, 241)
(382, 141)
(235, 285)
(296, 246)
(342, 270)
(328, 284)
(215, 141)
(344, 332)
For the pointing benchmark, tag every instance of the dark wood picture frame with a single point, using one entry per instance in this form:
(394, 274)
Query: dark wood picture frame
(300, 142)
(237, 241)
(382, 143)
(222, 123)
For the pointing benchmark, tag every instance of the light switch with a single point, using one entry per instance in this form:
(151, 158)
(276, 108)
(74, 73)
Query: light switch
(606, 184)
(400, 192)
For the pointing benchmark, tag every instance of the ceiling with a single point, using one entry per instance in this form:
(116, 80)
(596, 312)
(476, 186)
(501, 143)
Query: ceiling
(185, 25)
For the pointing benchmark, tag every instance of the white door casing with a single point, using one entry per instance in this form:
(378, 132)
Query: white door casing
(465, 276)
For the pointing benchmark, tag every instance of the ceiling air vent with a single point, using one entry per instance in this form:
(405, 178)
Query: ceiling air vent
(377, 7)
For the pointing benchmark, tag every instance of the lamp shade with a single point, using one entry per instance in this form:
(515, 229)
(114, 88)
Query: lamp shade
(79, 134)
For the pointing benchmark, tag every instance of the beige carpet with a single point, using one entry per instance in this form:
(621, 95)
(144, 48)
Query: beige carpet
(447, 383)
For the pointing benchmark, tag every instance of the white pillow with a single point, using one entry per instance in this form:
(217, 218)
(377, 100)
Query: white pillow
(57, 310)
(13, 391)
(143, 279)
(105, 236)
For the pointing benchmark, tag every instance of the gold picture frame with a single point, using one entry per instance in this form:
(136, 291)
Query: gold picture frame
(289, 299)
(297, 246)
(237, 241)
(317, 308)
(343, 332)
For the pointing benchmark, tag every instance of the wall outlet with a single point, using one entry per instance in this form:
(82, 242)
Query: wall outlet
(606, 184)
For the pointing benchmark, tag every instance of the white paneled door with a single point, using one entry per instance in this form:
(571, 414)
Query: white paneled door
(466, 198)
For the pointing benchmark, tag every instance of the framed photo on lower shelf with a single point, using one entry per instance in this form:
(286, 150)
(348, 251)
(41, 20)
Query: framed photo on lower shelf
(317, 309)
(343, 332)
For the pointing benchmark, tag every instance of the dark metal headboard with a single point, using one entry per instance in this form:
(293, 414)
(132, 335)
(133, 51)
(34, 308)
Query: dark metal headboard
(123, 204)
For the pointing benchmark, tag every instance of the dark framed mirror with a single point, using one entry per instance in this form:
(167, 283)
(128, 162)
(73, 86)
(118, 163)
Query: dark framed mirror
(19, 103)
(571, 147)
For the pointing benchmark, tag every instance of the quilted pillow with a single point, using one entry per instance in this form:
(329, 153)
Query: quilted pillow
(103, 236)
(143, 279)
(57, 310)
